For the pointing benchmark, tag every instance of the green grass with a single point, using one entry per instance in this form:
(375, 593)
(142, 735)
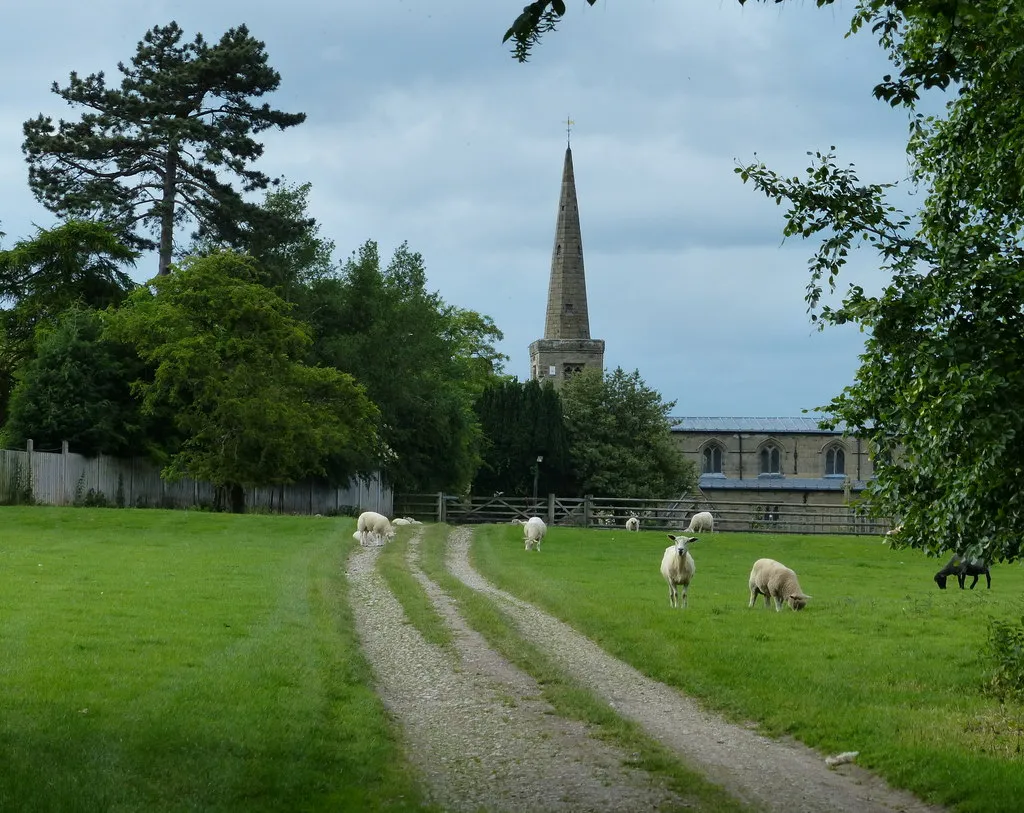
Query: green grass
(881, 661)
(159, 660)
(419, 609)
(567, 696)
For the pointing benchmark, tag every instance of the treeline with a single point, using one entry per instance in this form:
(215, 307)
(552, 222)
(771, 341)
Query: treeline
(251, 358)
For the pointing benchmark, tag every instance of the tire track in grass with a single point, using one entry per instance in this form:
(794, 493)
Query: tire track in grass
(762, 772)
(474, 726)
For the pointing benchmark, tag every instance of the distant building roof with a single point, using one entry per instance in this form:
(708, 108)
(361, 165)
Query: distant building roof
(763, 425)
(719, 483)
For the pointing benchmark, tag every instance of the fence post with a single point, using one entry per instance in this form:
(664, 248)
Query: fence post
(586, 510)
(551, 509)
(440, 506)
(63, 473)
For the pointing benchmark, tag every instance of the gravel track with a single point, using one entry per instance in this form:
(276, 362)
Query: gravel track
(482, 738)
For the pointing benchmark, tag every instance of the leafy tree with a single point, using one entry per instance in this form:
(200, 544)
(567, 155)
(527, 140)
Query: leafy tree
(619, 437)
(536, 20)
(227, 360)
(520, 421)
(938, 390)
(78, 263)
(77, 388)
(154, 153)
(291, 259)
(940, 381)
(423, 363)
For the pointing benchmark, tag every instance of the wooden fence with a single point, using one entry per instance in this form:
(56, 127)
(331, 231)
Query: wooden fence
(667, 515)
(63, 478)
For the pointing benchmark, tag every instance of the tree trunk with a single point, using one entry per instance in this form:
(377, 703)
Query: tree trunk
(167, 206)
(229, 497)
(237, 494)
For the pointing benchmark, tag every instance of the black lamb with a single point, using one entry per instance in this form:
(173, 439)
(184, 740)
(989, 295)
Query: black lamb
(962, 568)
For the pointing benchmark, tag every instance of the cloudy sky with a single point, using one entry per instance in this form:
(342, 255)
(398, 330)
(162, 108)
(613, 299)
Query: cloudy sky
(422, 128)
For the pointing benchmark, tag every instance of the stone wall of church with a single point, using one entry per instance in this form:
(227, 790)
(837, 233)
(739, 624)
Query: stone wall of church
(800, 454)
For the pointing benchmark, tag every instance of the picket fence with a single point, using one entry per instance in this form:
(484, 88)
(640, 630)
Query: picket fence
(65, 478)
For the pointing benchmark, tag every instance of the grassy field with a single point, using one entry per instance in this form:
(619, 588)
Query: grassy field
(881, 661)
(159, 660)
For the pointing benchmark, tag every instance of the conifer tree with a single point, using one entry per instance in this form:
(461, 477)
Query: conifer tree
(154, 153)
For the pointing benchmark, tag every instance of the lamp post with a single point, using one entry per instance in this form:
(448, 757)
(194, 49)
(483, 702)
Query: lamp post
(536, 475)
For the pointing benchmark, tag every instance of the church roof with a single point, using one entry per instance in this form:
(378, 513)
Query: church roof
(761, 425)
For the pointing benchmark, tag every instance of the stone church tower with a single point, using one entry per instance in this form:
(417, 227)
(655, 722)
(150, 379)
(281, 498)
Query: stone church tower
(566, 348)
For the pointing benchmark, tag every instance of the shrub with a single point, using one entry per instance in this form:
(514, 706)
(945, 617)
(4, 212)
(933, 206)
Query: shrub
(1006, 642)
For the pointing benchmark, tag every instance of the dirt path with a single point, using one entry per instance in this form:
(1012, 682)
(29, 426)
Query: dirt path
(483, 740)
(474, 725)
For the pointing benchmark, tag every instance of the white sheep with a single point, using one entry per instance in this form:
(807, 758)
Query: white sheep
(401, 521)
(677, 566)
(774, 580)
(534, 530)
(374, 528)
(633, 524)
(702, 522)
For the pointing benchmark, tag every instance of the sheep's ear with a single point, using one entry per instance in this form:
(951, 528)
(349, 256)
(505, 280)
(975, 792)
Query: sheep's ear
(801, 596)
(693, 539)
(674, 539)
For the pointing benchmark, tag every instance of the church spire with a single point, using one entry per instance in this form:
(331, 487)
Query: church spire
(567, 316)
(566, 348)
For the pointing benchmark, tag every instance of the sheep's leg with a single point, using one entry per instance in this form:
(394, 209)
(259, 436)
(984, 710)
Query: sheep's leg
(753, 598)
(988, 579)
(671, 595)
(686, 592)
(778, 603)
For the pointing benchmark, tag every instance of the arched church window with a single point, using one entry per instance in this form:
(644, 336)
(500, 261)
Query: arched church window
(558, 250)
(567, 308)
(711, 459)
(771, 459)
(569, 370)
(835, 461)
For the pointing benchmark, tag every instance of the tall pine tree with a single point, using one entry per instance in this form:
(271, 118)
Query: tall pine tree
(154, 153)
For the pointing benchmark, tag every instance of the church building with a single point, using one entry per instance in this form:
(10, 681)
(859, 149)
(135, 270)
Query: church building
(771, 462)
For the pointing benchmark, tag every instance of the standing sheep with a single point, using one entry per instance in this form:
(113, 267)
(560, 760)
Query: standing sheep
(374, 528)
(702, 522)
(534, 530)
(633, 524)
(677, 566)
(774, 580)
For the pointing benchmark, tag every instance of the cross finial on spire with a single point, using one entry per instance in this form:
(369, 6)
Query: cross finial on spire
(568, 128)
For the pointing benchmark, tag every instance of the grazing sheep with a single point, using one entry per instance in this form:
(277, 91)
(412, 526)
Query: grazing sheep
(962, 568)
(401, 521)
(677, 566)
(374, 528)
(633, 524)
(774, 580)
(702, 522)
(534, 530)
